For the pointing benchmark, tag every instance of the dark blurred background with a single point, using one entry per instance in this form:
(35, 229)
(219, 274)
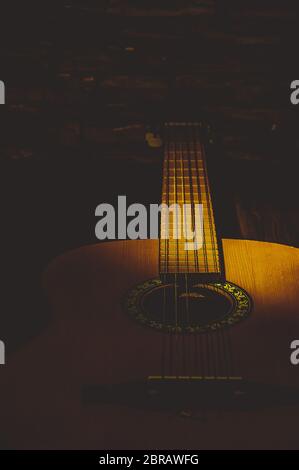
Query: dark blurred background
(86, 79)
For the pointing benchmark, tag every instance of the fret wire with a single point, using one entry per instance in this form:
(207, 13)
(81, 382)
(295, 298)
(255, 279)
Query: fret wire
(185, 181)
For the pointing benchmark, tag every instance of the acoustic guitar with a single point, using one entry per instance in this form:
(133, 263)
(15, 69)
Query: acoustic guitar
(152, 346)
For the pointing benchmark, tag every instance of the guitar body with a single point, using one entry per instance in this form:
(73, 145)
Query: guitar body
(91, 341)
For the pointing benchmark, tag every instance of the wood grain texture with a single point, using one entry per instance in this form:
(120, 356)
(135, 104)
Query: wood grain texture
(92, 341)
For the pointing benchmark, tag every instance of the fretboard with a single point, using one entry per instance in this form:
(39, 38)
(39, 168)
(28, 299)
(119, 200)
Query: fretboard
(185, 181)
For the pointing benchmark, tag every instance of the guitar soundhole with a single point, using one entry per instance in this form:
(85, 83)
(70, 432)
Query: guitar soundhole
(187, 309)
(176, 307)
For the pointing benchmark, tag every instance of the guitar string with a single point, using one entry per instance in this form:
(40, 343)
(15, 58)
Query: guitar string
(198, 356)
(212, 343)
(166, 335)
(194, 188)
(221, 336)
(198, 364)
(169, 154)
(184, 221)
(213, 336)
(222, 332)
(190, 157)
(165, 190)
(206, 337)
(170, 189)
(175, 227)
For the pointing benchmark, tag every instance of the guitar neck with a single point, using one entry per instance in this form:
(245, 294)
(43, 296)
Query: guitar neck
(186, 184)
